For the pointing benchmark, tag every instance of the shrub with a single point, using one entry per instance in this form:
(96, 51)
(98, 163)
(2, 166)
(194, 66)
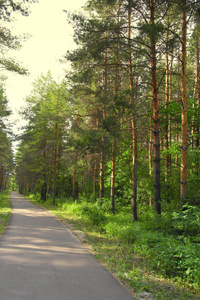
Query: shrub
(93, 213)
(187, 222)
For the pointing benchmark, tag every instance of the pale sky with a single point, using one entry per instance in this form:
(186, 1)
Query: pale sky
(51, 37)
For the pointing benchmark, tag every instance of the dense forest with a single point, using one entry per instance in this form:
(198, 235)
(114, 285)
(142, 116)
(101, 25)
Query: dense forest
(124, 123)
(121, 130)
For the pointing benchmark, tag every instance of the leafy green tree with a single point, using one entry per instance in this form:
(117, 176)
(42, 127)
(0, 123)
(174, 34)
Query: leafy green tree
(47, 111)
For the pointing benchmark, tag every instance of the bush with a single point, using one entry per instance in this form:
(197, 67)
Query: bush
(187, 222)
(93, 213)
(176, 258)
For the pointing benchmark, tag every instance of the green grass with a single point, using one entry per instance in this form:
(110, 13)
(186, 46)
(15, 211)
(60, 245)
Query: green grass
(5, 210)
(158, 255)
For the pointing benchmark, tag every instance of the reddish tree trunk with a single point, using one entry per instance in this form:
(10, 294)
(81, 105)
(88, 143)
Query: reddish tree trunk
(156, 118)
(133, 124)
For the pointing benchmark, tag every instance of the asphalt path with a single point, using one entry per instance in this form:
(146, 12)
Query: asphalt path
(40, 259)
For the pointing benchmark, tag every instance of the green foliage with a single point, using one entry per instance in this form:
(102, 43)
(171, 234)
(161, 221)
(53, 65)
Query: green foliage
(122, 232)
(170, 243)
(152, 30)
(187, 222)
(6, 154)
(167, 241)
(5, 210)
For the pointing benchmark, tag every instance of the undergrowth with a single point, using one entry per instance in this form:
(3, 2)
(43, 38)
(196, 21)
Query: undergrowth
(5, 210)
(157, 254)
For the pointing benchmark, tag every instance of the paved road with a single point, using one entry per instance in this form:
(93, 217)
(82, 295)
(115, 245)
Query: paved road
(40, 259)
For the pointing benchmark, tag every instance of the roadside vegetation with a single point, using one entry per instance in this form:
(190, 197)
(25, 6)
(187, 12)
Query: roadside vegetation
(158, 255)
(5, 210)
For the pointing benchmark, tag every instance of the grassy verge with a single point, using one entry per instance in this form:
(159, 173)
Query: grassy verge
(5, 210)
(150, 256)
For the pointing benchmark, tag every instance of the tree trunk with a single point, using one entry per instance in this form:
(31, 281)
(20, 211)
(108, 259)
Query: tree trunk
(49, 179)
(198, 91)
(104, 116)
(95, 178)
(166, 140)
(133, 123)
(156, 118)
(112, 192)
(150, 156)
(1, 177)
(55, 166)
(43, 195)
(101, 177)
(74, 185)
(195, 128)
(178, 100)
(184, 143)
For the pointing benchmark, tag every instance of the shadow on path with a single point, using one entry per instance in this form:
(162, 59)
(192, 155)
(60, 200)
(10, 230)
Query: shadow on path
(40, 259)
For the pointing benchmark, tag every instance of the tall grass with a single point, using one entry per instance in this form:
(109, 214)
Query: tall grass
(5, 210)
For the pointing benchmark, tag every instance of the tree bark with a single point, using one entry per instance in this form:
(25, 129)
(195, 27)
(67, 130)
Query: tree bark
(133, 123)
(43, 195)
(101, 167)
(112, 192)
(184, 142)
(156, 118)
(74, 185)
(166, 113)
(55, 165)
(101, 177)
(95, 178)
